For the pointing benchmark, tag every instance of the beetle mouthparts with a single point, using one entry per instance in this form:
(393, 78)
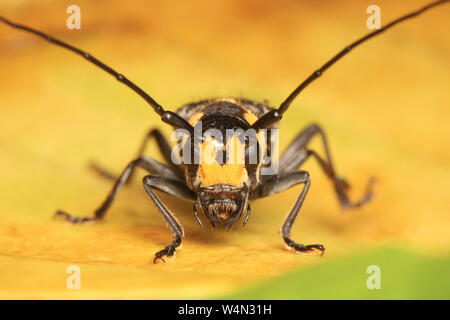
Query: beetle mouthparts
(222, 209)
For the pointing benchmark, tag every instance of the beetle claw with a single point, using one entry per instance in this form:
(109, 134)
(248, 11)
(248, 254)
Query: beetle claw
(168, 252)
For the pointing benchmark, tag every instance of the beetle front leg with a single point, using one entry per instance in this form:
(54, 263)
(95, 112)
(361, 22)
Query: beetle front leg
(173, 187)
(277, 184)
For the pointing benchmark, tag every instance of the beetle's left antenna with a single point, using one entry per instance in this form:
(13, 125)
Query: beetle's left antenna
(167, 116)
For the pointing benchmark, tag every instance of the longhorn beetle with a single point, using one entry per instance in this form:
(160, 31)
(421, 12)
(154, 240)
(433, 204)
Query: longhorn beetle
(222, 190)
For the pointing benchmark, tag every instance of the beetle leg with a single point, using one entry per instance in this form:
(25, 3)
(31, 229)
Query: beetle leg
(195, 211)
(146, 163)
(297, 153)
(249, 210)
(174, 187)
(163, 147)
(280, 183)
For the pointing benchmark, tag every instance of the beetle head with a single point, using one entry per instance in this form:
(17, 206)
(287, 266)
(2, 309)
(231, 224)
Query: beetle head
(222, 204)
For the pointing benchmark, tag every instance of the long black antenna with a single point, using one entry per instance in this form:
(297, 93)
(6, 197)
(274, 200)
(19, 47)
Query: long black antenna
(275, 115)
(167, 116)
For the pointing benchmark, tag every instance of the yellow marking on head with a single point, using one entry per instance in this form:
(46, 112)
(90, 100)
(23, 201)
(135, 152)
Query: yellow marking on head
(232, 173)
(229, 174)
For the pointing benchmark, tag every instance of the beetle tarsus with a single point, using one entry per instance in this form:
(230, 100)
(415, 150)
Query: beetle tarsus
(168, 251)
(310, 249)
(73, 219)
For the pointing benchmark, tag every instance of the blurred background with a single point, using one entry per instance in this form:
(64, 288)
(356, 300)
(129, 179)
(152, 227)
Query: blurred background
(384, 107)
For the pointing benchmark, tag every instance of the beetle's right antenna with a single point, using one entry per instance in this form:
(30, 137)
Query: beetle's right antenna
(167, 116)
(275, 115)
